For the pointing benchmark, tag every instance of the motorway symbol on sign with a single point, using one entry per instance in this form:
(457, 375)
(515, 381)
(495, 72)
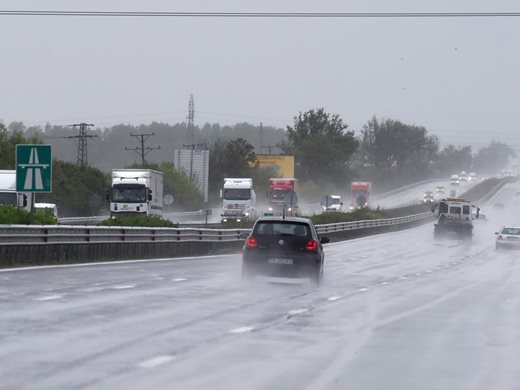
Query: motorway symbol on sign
(33, 168)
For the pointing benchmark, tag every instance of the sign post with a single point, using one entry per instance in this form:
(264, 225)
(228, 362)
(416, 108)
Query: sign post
(33, 170)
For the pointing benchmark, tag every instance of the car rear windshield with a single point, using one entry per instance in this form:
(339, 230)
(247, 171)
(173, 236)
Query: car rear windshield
(274, 228)
(511, 231)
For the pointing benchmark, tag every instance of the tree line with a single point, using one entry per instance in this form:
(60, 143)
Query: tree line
(328, 154)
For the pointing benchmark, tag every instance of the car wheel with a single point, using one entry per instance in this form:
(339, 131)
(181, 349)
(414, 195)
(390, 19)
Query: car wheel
(247, 273)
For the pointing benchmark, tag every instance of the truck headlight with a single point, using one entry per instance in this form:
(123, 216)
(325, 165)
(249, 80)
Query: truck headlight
(270, 209)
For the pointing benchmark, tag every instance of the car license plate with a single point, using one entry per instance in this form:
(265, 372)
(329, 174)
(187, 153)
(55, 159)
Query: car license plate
(276, 260)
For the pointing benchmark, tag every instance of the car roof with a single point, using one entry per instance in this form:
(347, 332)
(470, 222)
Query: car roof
(281, 219)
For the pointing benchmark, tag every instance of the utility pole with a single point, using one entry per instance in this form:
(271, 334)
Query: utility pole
(261, 137)
(142, 150)
(82, 141)
(191, 119)
(269, 148)
(192, 147)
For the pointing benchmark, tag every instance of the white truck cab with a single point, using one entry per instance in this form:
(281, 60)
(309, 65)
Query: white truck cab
(238, 194)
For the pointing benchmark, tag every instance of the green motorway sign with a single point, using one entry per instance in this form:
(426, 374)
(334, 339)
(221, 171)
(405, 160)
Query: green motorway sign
(33, 168)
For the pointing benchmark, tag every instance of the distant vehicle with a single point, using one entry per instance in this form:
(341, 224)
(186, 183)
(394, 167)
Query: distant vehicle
(233, 215)
(472, 176)
(284, 247)
(238, 198)
(428, 197)
(50, 208)
(283, 199)
(136, 191)
(359, 194)
(463, 176)
(439, 190)
(455, 218)
(455, 180)
(508, 237)
(8, 194)
(331, 203)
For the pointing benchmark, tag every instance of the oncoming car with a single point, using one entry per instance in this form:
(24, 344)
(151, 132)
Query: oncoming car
(508, 237)
(284, 247)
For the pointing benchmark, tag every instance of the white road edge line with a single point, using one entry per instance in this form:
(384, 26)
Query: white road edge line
(103, 263)
(157, 361)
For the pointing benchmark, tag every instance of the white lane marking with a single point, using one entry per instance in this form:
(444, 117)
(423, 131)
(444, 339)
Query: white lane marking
(418, 274)
(243, 329)
(157, 361)
(49, 298)
(122, 286)
(297, 311)
(116, 262)
(384, 283)
(429, 271)
(363, 289)
(334, 298)
(179, 279)
(403, 278)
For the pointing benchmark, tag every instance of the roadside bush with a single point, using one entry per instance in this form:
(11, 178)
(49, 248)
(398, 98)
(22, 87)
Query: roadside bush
(10, 215)
(357, 215)
(139, 221)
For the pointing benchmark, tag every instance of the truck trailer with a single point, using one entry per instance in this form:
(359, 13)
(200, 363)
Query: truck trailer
(8, 194)
(359, 194)
(136, 191)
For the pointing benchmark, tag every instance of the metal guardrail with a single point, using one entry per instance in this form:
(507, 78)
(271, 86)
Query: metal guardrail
(344, 226)
(111, 234)
(114, 234)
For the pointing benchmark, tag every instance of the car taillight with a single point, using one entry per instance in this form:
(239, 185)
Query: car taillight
(312, 246)
(500, 238)
(251, 242)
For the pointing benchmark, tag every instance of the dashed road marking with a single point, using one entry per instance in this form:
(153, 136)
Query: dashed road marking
(334, 298)
(363, 289)
(384, 283)
(243, 329)
(157, 361)
(297, 311)
(123, 286)
(49, 298)
(179, 279)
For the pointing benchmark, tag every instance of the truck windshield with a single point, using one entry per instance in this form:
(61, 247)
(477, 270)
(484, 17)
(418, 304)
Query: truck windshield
(277, 195)
(8, 198)
(237, 193)
(129, 193)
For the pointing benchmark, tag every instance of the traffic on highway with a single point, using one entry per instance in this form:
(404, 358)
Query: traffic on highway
(397, 310)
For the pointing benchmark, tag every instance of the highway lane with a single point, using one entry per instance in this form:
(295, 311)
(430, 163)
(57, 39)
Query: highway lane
(396, 311)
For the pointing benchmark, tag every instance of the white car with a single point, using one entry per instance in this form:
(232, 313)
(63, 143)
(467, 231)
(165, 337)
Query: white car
(508, 237)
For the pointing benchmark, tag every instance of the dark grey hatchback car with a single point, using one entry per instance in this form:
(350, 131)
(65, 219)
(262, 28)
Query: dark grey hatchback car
(284, 247)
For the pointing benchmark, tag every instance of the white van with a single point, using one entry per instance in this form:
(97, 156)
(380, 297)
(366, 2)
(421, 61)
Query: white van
(47, 207)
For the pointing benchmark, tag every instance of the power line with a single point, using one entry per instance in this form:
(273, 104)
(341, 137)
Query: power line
(260, 14)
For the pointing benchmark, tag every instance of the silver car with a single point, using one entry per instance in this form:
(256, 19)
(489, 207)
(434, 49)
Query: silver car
(508, 237)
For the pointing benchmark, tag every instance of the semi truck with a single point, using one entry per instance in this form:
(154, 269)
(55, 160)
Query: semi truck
(8, 194)
(359, 194)
(136, 191)
(238, 199)
(282, 196)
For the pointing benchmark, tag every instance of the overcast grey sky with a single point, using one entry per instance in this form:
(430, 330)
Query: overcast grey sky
(457, 77)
